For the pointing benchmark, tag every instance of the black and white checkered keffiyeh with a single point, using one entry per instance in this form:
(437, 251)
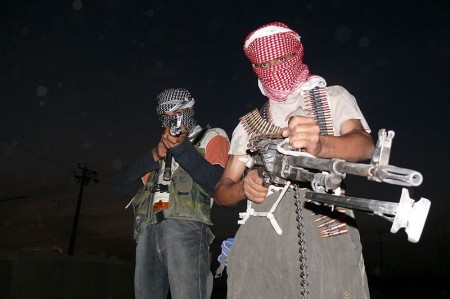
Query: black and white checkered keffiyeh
(173, 99)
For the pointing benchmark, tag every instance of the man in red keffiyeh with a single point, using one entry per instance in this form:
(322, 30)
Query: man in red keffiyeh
(296, 250)
(278, 81)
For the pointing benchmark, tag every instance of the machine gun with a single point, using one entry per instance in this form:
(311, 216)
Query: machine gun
(277, 164)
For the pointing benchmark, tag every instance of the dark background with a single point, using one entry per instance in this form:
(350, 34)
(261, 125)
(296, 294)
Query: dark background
(78, 82)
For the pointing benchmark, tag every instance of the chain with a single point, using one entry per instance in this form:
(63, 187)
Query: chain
(301, 234)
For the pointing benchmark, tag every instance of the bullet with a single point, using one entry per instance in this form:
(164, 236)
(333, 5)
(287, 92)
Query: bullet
(321, 218)
(327, 223)
(333, 229)
(341, 232)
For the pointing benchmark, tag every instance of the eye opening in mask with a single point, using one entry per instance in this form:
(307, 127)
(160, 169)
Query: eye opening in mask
(273, 62)
(172, 113)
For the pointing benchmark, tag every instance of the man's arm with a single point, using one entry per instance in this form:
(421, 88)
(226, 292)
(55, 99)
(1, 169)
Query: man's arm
(234, 186)
(354, 144)
(129, 178)
(229, 189)
(202, 171)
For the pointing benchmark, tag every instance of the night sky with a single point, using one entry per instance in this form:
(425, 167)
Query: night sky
(78, 81)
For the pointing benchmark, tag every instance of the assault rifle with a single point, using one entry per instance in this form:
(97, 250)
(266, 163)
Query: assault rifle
(277, 164)
(176, 130)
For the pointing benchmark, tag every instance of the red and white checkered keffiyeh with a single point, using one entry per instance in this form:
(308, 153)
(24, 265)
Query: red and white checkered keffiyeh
(270, 42)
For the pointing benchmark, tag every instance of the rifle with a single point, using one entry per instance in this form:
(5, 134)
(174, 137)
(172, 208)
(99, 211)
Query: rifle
(176, 130)
(277, 164)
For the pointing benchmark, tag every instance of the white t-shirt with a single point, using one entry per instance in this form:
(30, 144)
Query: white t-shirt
(343, 107)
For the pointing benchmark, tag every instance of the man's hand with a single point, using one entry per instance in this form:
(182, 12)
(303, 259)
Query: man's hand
(166, 142)
(303, 133)
(159, 151)
(253, 188)
(169, 140)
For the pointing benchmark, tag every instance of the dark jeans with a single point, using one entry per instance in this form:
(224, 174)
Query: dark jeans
(174, 253)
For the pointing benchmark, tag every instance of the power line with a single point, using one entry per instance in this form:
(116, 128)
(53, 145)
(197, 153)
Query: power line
(33, 153)
(40, 146)
(15, 197)
(21, 136)
(14, 143)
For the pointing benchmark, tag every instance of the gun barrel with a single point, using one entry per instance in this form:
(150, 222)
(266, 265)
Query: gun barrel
(311, 163)
(336, 166)
(385, 173)
(398, 176)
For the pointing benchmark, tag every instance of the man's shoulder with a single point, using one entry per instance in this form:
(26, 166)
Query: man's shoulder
(216, 132)
(337, 90)
(212, 133)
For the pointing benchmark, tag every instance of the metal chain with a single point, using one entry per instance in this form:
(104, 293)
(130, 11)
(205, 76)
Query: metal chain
(301, 234)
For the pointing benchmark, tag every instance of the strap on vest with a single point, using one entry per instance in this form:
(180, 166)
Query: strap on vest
(200, 135)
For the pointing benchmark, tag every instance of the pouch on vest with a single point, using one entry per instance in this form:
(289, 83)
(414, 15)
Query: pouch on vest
(188, 200)
(141, 207)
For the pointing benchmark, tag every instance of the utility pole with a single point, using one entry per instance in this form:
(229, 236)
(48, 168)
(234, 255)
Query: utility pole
(84, 179)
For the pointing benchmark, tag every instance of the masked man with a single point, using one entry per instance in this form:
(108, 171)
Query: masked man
(172, 187)
(298, 249)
